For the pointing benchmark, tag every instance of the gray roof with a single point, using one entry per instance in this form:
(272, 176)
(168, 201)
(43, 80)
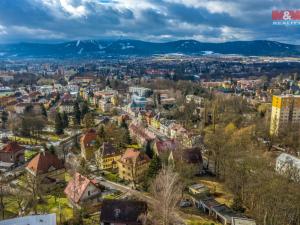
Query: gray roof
(48, 219)
(242, 221)
(288, 159)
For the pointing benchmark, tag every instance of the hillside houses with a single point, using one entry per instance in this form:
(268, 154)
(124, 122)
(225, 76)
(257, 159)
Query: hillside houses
(88, 144)
(82, 191)
(140, 133)
(11, 154)
(46, 166)
(133, 165)
(107, 156)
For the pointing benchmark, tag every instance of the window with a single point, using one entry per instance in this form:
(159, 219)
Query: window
(89, 193)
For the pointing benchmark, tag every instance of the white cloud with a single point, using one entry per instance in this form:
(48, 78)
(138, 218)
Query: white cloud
(60, 7)
(233, 34)
(2, 30)
(213, 6)
(74, 11)
(36, 33)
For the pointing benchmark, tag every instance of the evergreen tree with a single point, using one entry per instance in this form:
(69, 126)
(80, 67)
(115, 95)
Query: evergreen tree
(43, 110)
(77, 113)
(124, 124)
(57, 98)
(59, 127)
(65, 120)
(107, 83)
(52, 149)
(28, 109)
(101, 134)
(4, 118)
(84, 109)
(149, 150)
(158, 99)
(126, 137)
(89, 120)
(154, 167)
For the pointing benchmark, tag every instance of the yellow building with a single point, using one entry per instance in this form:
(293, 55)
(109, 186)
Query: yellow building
(133, 164)
(155, 121)
(107, 157)
(285, 112)
(115, 100)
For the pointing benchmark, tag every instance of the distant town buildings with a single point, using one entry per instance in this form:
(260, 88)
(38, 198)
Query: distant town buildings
(140, 91)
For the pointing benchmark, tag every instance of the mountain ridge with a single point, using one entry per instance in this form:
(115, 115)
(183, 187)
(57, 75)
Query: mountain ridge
(130, 47)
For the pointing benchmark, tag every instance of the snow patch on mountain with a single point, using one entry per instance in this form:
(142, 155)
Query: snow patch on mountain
(101, 47)
(207, 52)
(80, 51)
(126, 46)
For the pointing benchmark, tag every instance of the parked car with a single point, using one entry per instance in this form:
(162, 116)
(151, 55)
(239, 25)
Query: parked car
(185, 203)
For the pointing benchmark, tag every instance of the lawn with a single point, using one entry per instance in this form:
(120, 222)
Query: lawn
(112, 177)
(11, 207)
(51, 136)
(194, 216)
(29, 154)
(25, 140)
(218, 190)
(135, 146)
(60, 206)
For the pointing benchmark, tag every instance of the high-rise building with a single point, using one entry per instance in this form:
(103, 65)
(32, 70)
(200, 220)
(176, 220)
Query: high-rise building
(285, 112)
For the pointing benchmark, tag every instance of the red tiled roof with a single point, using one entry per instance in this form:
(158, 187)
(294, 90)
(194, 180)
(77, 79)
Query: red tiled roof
(167, 145)
(89, 137)
(134, 155)
(34, 94)
(76, 187)
(141, 132)
(42, 162)
(12, 147)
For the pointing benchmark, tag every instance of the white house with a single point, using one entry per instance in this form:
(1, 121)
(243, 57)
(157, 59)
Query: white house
(82, 191)
(288, 165)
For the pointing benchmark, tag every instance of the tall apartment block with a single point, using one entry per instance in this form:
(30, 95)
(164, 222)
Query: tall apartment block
(285, 112)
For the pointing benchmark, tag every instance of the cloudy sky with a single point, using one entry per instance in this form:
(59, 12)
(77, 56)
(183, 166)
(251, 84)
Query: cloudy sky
(152, 20)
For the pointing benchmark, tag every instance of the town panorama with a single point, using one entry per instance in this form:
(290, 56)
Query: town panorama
(131, 113)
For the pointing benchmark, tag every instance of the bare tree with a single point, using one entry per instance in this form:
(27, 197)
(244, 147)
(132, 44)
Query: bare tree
(35, 188)
(166, 191)
(3, 193)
